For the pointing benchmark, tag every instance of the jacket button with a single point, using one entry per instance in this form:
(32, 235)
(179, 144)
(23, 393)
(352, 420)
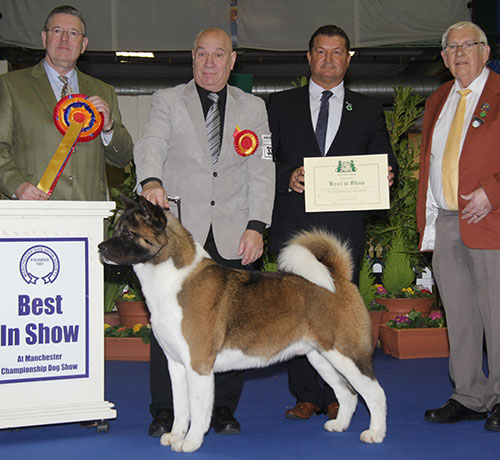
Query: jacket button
(212, 203)
(215, 173)
(70, 177)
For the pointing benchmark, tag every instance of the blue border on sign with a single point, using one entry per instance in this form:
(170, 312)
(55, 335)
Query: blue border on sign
(86, 256)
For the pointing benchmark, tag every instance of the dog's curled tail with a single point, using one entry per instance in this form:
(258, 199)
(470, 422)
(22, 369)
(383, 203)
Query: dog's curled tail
(317, 256)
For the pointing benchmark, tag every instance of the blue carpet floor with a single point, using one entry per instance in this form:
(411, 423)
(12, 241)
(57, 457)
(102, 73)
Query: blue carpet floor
(411, 387)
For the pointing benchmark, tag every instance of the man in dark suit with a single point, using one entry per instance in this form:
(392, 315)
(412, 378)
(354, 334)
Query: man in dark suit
(28, 136)
(354, 125)
(458, 216)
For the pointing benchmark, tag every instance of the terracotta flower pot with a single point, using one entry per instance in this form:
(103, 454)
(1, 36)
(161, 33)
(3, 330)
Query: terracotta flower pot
(403, 306)
(376, 317)
(430, 342)
(132, 312)
(126, 349)
(112, 318)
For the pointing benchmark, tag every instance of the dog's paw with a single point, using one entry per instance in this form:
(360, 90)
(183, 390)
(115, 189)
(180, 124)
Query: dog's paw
(186, 445)
(372, 436)
(169, 439)
(335, 425)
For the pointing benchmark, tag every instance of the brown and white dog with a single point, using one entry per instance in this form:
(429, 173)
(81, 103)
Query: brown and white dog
(208, 318)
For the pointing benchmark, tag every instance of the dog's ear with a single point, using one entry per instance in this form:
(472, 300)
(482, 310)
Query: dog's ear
(152, 213)
(126, 201)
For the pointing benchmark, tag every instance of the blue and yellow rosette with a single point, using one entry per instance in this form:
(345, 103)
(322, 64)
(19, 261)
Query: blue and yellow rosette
(245, 142)
(79, 121)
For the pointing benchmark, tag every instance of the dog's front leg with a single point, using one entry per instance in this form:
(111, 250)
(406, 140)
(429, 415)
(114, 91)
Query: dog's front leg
(181, 404)
(201, 400)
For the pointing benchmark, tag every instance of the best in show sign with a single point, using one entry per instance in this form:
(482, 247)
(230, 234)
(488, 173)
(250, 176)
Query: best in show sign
(44, 320)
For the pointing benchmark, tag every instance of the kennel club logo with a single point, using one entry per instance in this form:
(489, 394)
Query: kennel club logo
(39, 262)
(346, 166)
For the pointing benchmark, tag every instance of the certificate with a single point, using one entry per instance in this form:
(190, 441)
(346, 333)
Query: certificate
(346, 183)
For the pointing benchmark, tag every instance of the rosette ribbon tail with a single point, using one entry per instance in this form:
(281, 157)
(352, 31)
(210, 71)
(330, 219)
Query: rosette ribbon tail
(59, 160)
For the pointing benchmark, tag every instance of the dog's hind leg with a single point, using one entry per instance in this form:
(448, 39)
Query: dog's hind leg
(200, 389)
(369, 389)
(180, 396)
(346, 396)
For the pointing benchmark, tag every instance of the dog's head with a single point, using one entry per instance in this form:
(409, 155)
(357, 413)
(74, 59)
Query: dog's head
(140, 234)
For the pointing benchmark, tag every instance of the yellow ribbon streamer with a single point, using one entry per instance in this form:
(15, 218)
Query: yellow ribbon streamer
(62, 152)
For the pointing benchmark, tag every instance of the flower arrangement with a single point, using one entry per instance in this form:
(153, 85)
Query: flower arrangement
(414, 320)
(131, 294)
(411, 292)
(139, 330)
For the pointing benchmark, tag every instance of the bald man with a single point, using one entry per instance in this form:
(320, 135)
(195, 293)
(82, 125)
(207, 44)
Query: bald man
(227, 190)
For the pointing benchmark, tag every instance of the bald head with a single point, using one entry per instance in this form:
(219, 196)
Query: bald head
(213, 59)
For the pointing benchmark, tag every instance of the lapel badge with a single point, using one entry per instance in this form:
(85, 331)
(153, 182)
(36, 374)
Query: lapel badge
(485, 106)
(477, 122)
(348, 106)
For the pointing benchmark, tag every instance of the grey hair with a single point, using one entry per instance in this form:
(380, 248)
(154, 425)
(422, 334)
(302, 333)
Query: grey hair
(65, 9)
(461, 25)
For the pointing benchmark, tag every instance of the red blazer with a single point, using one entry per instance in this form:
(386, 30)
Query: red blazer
(479, 164)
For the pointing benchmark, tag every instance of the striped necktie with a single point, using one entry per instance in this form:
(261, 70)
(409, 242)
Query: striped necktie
(449, 168)
(66, 89)
(213, 127)
(322, 124)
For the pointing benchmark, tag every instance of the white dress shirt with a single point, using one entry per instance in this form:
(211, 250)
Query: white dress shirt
(334, 110)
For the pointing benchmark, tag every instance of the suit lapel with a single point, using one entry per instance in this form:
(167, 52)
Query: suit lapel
(195, 111)
(42, 87)
(487, 103)
(231, 120)
(304, 110)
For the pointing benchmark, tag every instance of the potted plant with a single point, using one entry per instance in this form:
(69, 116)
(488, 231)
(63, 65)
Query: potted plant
(115, 282)
(414, 336)
(131, 305)
(398, 291)
(127, 344)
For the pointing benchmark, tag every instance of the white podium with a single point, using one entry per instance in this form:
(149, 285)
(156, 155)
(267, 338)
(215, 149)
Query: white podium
(51, 321)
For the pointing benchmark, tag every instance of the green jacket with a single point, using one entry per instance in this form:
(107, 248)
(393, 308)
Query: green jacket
(29, 137)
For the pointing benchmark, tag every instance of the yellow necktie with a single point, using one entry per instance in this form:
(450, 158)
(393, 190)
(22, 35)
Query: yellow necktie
(449, 168)
(66, 89)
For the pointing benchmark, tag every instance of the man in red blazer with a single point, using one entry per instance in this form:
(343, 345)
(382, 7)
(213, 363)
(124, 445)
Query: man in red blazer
(461, 222)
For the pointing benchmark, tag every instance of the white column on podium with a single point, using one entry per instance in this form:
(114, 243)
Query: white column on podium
(52, 352)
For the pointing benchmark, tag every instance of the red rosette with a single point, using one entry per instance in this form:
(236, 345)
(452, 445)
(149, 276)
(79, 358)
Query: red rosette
(245, 142)
(77, 108)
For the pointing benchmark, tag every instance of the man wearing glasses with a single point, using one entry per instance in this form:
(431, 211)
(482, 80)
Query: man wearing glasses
(28, 136)
(458, 216)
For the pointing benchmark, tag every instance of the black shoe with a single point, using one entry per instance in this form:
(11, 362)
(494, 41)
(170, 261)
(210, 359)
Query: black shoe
(493, 422)
(162, 423)
(453, 412)
(224, 422)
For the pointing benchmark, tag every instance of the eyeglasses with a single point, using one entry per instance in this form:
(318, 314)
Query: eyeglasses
(72, 33)
(467, 47)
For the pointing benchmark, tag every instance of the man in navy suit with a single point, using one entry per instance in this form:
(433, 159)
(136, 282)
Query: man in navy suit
(322, 118)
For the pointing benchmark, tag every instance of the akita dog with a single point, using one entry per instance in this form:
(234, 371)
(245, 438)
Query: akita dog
(208, 318)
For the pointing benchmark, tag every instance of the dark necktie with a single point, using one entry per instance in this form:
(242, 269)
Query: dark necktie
(213, 127)
(66, 89)
(322, 123)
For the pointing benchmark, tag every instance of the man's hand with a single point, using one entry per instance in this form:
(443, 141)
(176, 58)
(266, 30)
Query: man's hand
(102, 106)
(27, 191)
(154, 192)
(251, 246)
(390, 176)
(478, 207)
(296, 182)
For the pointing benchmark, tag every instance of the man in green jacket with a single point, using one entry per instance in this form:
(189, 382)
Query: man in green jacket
(28, 135)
